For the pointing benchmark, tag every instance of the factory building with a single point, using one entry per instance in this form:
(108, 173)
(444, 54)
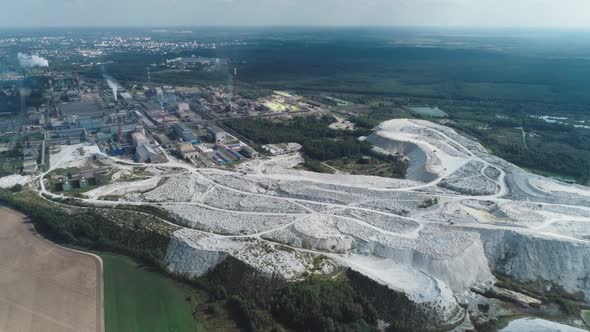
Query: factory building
(145, 153)
(142, 119)
(125, 129)
(186, 150)
(184, 133)
(164, 141)
(83, 182)
(30, 156)
(66, 137)
(102, 137)
(139, 138)
(66, 185)
(183, 115)
(248, 152)
(216, 135)
(180, 130)
(183, 107)
(126, 96)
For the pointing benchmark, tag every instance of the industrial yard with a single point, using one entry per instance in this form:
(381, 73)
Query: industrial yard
(139, 123)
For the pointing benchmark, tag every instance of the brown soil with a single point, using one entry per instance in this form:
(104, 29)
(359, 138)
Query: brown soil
(45, 287)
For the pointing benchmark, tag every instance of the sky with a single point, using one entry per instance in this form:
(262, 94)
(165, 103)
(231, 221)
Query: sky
(452, 13)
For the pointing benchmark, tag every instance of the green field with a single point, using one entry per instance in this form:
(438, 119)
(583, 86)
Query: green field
(136, 299)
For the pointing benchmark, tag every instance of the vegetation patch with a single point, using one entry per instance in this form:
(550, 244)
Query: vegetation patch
(340, 148)
(138, 235)
(392, 166)
(137, 299)
(585, 314)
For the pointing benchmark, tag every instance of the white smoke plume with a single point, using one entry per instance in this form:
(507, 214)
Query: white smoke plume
(30, 61)
(112, 84)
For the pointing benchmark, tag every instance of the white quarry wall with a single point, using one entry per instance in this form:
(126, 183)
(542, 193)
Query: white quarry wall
(526, 257)
(193, 253)
(432, 298)
(182, 258)
(472, 264)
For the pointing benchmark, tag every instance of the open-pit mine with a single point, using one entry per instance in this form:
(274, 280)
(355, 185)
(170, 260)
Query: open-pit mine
(437, 240)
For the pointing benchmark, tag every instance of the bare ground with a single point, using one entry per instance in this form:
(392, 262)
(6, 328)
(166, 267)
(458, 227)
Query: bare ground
(45, 287)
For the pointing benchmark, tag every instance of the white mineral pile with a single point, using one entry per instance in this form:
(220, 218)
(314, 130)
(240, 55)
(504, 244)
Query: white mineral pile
(530, 324)
(68, 156)
(123, 188)
(10, 181)
(464, 214)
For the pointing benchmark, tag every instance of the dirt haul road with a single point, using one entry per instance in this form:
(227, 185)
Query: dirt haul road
(45, 287)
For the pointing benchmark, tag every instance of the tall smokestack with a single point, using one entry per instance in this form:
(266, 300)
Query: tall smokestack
(119, 129)
(78, 84)
(54, 112)
(235, 83)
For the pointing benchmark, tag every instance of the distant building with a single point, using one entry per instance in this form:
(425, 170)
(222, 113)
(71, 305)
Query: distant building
(66, 137)
(216, 135)
(164, 141)
(180, 130)
(204, 149)
(139, 138)
(139, 129)
(186, 150)
(65, 184)
(126, 96)
(169, 119)
(248, 152)
(145, 153)
(102, 137)
(282, 148)
(83, 182)
(184, 133)
(29, 166)
(183, 107)
(92, 123)
(30, 153)
(126, 129)
(183, 115)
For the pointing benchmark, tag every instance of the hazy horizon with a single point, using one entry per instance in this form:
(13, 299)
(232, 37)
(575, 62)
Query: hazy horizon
(303, 13)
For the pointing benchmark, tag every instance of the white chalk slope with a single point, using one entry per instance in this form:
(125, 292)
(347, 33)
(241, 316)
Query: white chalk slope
(464, 214)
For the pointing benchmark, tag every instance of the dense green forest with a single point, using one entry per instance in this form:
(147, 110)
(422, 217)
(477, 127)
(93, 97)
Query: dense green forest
(477, 86)
(312, 305)
(320, 305)
(319, 142)
(554, 148)
(375, 67)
